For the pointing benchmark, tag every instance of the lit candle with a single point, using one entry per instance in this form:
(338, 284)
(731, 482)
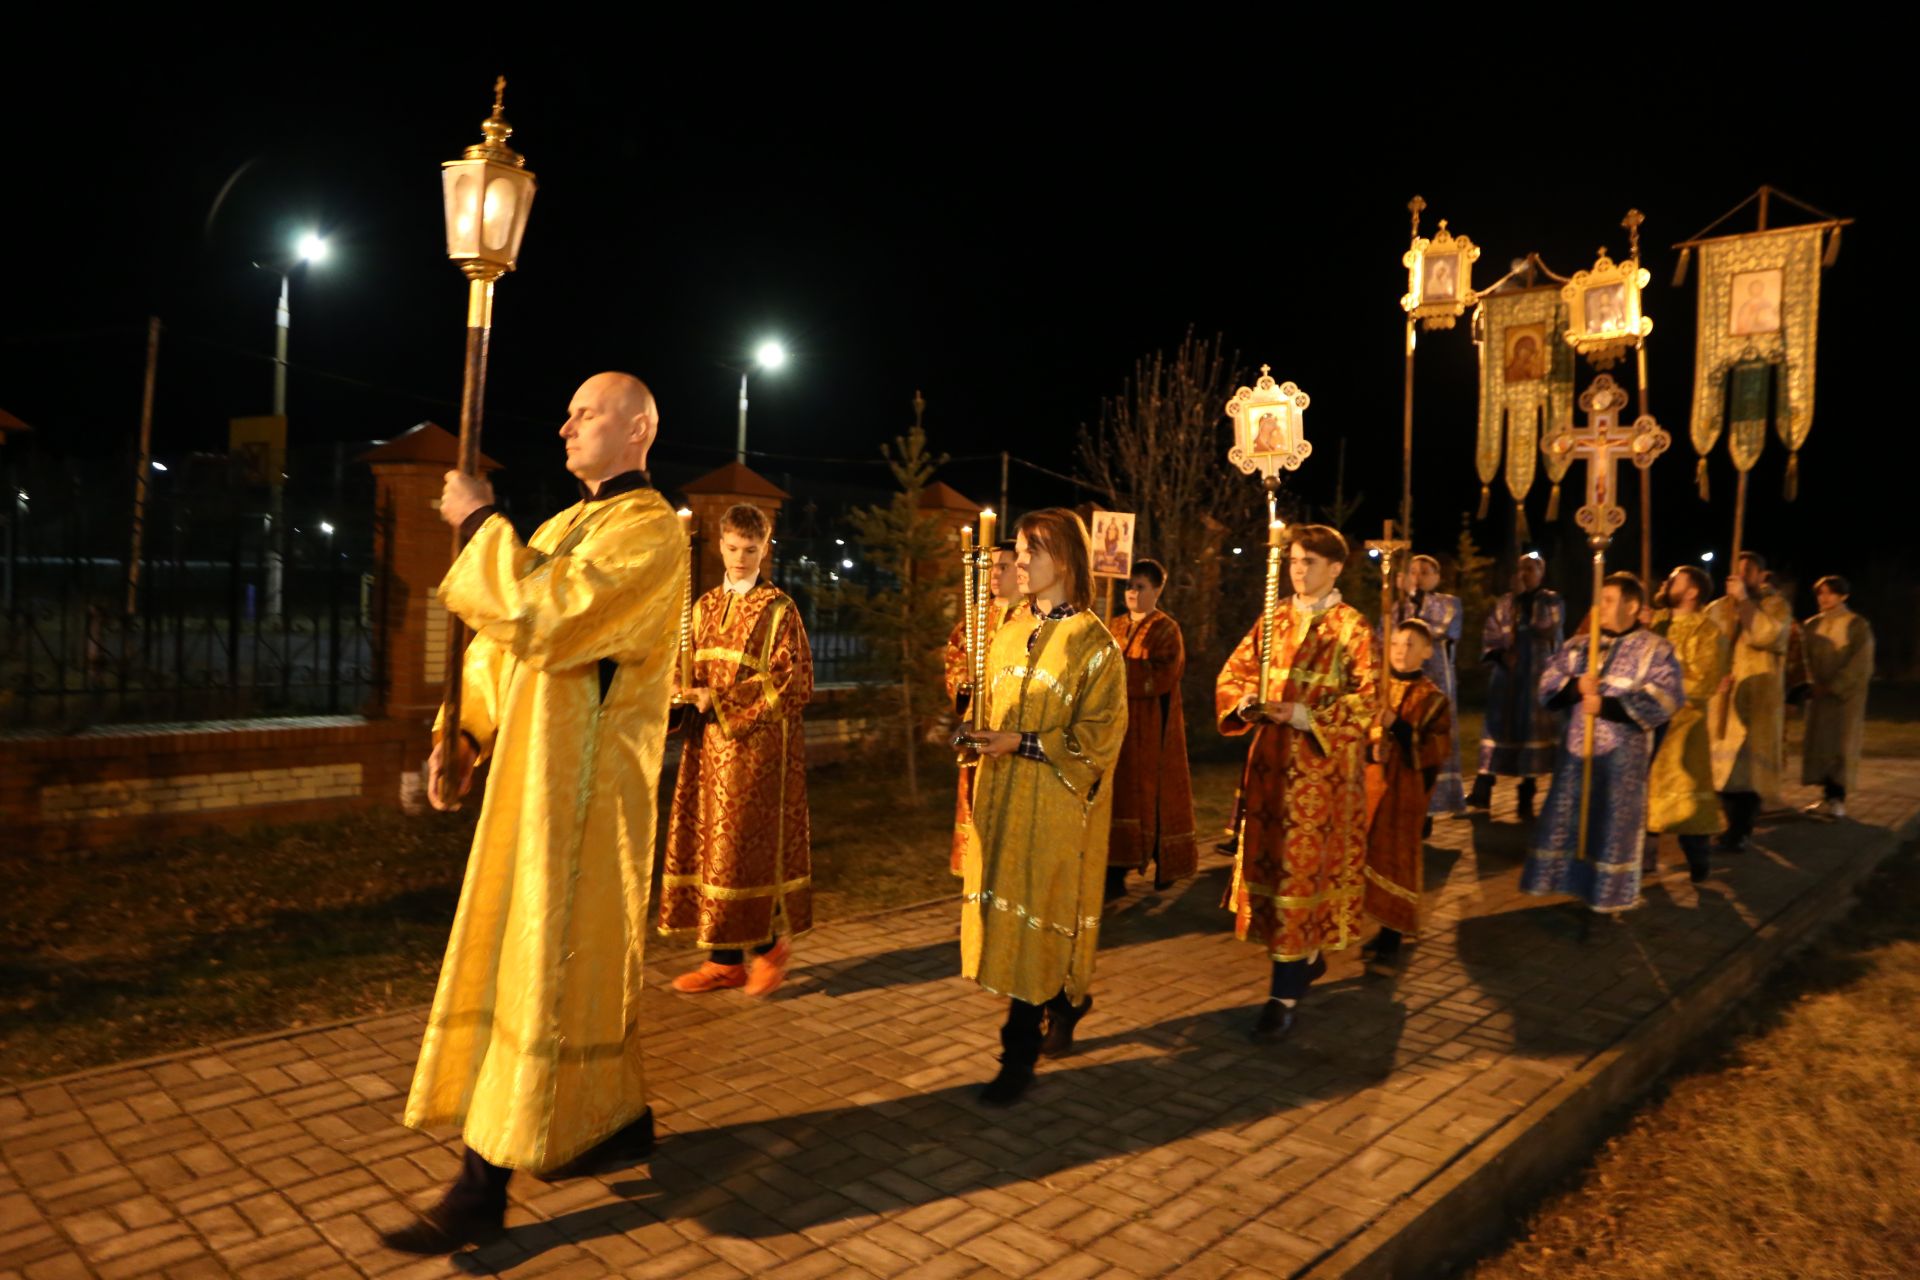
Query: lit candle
(987, 521)
(1274, 530)
(686, 522)
(966, 540)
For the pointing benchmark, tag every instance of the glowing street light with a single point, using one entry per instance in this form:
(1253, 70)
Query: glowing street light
(769, 355)
(1706, 557)
(326, 528)
(312, 247)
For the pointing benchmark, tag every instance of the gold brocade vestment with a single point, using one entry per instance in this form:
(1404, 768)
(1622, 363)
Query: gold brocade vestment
(1749, 724)
(739, 864)
(1680, 791)
(958, 677)
(1298, 876)
(1035, 870)
(1840, 664)
(533, 1044)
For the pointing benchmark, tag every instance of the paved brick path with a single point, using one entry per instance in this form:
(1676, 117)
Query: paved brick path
(832, 1131)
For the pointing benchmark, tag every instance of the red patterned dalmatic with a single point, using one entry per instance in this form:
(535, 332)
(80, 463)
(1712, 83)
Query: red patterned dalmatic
(1298, 877)
(739, 863)
(1152, 786)
(1397, 791)
(958, 682)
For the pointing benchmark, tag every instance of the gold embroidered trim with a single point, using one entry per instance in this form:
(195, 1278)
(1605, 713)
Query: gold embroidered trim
(1405, 895)
(723, 894)
(988, 897)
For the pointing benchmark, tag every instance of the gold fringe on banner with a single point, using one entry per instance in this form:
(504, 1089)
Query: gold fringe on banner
(1792, 486)
(1520, 529)
(1486, 492)
(1700, 479)
(1680, 268)
(1553, 503)
(1833, 248)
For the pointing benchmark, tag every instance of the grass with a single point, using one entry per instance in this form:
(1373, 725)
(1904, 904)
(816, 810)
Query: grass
(1790, 1150)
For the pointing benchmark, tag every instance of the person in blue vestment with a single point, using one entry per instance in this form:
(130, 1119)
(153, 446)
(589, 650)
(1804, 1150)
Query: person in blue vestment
(1522, 633)
(1421, 598)
(1637, 687)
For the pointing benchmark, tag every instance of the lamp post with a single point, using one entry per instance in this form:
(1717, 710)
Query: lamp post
(487, 193)
(769, 355)
(310, 247)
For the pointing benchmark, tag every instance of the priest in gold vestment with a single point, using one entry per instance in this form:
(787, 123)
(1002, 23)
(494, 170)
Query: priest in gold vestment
(1747, 718)
(533, 1045)
(1680, 792)
(1034, 867)
(739, 867)
(1005, 588)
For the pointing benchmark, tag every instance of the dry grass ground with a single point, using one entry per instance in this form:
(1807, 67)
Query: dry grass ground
(1790, 1150)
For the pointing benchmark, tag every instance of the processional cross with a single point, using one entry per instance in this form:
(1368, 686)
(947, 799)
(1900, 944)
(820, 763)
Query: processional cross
(1386, 546)
(1601, 444)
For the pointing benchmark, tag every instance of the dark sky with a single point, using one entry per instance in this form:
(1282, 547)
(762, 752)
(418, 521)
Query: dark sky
(1007, 236)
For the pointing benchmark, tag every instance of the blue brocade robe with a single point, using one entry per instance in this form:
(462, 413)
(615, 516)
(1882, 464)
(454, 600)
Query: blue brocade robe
(1442, 613)
(1520, 733)
(1641, 685)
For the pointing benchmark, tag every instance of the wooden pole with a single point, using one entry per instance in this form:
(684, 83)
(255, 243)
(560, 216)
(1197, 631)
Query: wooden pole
(1646, 482)
(473, 394)
(1593, 669)
(1270, 611)
(1406, 443)
(143, 470)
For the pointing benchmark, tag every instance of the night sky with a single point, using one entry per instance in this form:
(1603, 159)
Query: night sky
(1005, 237)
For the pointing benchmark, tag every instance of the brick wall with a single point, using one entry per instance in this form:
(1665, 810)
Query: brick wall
(153, 782)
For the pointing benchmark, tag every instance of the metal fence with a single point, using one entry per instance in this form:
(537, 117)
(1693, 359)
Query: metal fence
(234, 615)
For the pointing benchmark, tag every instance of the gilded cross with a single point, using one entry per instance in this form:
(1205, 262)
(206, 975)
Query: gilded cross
(1601, 444)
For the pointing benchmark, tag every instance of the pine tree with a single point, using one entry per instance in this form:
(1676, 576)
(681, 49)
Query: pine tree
(906, 623)
(1473, 583)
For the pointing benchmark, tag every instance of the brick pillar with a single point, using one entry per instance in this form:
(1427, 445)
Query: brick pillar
(710, 496)
(412, 549)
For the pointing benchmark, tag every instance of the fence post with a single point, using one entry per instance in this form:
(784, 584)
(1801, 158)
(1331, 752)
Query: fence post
(411, 554)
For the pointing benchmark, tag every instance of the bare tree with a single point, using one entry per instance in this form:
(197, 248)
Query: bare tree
(1160, 448)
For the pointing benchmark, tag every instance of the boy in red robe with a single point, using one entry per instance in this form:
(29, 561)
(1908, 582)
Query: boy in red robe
(1409, 748)
(739, 869)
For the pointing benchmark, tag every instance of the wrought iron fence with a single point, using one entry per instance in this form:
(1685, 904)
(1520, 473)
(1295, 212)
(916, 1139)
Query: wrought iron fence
(233, 615)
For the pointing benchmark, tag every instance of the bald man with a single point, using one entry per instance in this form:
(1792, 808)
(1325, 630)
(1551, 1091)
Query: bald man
(533, 1045)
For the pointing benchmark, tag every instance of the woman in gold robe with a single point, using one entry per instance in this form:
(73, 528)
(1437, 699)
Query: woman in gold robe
(1033, 871)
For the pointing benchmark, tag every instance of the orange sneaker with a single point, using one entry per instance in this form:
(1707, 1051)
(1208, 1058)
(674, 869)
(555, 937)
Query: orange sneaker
(770, 970)
(711, 977)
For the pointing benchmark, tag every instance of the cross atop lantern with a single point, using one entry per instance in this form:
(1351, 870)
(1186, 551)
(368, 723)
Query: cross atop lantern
(1269, 428)
(488, 192)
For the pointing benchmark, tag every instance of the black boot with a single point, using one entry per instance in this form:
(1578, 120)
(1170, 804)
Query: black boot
(1426, 828)
(473, 1211)
(1062, 1018)
(1526, 793)
(1481, 797)
(625, 1147)
(1019, 1051)
(1274, 1024)
(1116, 883)
(1699, 866)
(1384, 949)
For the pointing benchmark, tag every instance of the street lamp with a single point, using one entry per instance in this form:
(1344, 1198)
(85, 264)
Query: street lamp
(487, 193)
(769, 355)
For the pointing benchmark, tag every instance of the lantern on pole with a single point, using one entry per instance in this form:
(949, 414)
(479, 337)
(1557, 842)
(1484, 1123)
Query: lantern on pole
(1269, 436)
(487, 192)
